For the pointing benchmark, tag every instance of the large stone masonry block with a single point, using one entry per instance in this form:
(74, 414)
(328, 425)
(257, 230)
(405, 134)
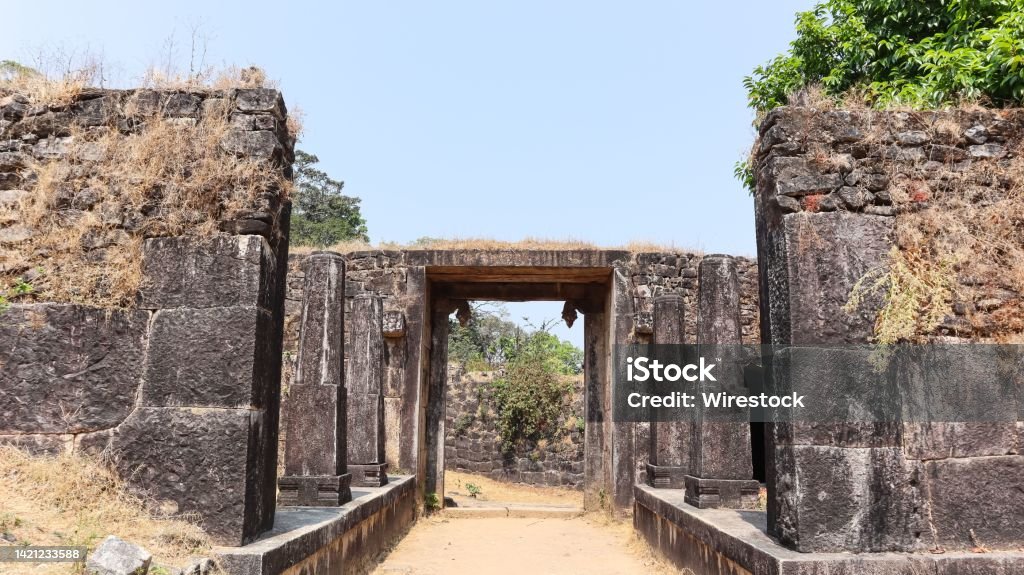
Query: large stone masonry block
(220, 271)
(975, 501)
(823, 256)
(199, 461)
(210, 357)
(851, 498)
(69, 368)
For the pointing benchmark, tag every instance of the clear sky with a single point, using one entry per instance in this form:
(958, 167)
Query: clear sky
(602, 121)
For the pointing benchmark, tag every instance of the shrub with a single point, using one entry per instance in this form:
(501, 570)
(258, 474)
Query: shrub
(529, 400)
(900, 52)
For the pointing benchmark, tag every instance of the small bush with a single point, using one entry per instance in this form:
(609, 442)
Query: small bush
(529, 400)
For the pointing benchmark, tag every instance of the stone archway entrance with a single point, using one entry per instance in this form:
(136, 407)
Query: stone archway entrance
(390, 390)
(584, 290)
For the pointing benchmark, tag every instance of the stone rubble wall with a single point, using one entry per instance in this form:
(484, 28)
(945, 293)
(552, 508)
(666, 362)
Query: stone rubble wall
(892, 164)
(31, 134)
(832, 187)
(473, 445)
(181, 391)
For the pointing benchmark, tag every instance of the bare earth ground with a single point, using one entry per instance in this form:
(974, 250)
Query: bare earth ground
(584, 545)
(589, 545)
(456, 486)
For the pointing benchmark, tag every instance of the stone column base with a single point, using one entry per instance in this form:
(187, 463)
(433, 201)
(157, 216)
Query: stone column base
(728, 493)
(314, 490)
(665, 477)
(369, 475)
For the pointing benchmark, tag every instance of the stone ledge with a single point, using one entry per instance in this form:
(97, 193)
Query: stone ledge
(720, 541)
(306, 533)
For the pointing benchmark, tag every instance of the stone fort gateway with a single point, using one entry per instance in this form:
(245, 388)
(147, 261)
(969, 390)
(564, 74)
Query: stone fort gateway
(297, 402)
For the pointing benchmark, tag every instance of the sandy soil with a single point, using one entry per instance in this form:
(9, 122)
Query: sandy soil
(455, 484)
(589, 545)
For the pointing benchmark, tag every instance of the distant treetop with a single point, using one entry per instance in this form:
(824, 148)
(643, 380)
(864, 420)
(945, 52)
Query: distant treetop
(918, 53)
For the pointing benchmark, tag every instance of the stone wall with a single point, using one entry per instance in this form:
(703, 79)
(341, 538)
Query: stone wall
(473, 445)
(842, 195)
(400, 277)
(181, 388)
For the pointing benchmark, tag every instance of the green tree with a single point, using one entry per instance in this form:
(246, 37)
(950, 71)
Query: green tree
(321, 214)
(921, 53)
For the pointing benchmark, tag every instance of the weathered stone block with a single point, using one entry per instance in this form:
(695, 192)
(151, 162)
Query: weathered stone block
(203, 461)
(711, 493)
(851, 498)
(259, 144)
(69, 368)
(316, 440)
(208, 357)
(315, 490)
(207, 272)
(259, 100)
(980, 494)
(394, 324)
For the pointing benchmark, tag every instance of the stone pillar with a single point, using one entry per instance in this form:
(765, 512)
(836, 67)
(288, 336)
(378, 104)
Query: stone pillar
(670, 440)
(721, 472)
(431, 463)
(366, 393)
(315, 458)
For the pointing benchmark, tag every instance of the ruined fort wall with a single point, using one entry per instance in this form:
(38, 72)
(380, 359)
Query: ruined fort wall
(399, 277)
(175, 377)
(892, 227)
(473, 445)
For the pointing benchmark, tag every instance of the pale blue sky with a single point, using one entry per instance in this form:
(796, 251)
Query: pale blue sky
(602, 121)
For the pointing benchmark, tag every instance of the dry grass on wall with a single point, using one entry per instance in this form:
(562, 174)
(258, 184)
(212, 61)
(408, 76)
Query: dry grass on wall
(958, 249)
(76, 500)
(90, 210)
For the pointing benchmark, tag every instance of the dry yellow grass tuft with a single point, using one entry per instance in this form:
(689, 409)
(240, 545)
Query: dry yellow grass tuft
(90, 209)
(960, 240)
(76, 500)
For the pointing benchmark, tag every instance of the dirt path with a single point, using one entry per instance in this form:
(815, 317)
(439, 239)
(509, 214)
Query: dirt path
(584, 545)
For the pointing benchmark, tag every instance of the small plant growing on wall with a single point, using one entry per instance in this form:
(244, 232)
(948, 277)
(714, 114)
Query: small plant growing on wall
(432, 502)
(475, 491)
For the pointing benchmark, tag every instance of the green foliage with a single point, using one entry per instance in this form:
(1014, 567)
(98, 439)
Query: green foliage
(432, 502)
(321, 214)
(476, 345)
(489, 340)
(474, 490)
(463, 422)
(918, 53)
(556, 356)
(20, 288)
(744, 172)
(529, 399)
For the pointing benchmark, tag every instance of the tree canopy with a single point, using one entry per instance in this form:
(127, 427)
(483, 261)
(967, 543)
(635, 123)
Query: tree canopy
(321, 214)
(490, 340)
(920, 53)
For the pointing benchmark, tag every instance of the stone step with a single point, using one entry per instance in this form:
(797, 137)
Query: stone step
(514, 510)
